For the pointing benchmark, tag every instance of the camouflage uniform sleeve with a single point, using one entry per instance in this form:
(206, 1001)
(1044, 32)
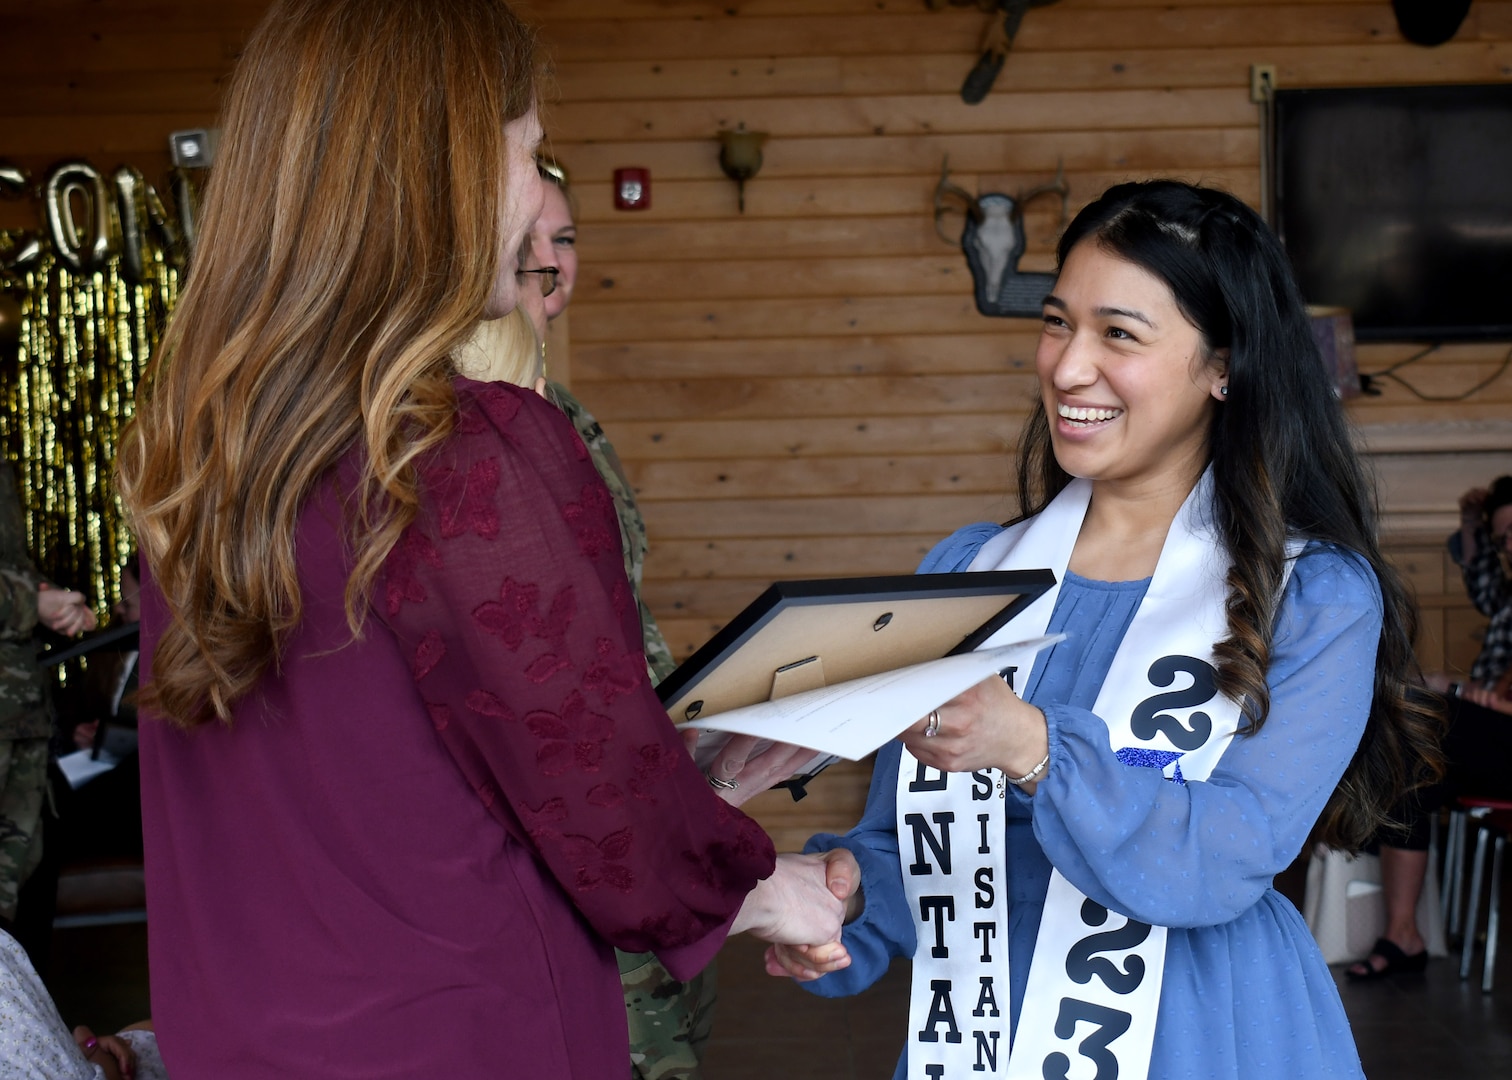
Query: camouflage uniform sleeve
(18, 607)
(18, 577)
(24, 713)
(669, 1020)
(633, 543)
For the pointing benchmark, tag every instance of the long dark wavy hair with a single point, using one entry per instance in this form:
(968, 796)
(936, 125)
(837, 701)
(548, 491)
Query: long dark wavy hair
(1282, 462)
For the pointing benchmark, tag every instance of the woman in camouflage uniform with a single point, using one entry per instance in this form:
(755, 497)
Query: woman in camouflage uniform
(669, 1020)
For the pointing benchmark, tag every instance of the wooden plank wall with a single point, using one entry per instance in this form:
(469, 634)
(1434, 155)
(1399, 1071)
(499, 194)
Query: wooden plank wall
(806, 389)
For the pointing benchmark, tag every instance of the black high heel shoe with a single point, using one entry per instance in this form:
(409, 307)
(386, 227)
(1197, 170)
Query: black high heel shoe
(1397, 962)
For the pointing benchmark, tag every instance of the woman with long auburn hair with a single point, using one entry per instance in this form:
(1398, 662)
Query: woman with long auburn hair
(404, 781)
(1236, 676)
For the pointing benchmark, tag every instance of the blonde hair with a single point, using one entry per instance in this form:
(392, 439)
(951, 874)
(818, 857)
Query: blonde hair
(349, 244)
(503, 350)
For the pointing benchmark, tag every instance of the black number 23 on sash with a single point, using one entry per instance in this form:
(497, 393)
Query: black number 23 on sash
(1083, 964)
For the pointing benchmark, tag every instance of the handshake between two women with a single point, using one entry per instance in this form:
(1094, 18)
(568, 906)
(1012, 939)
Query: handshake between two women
(801, 909)
(805, 903)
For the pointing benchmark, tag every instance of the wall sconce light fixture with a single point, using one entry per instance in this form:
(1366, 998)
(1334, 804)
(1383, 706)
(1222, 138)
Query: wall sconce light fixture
(740, 156)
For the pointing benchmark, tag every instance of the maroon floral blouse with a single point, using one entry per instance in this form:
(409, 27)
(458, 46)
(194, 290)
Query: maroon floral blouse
(409, 854)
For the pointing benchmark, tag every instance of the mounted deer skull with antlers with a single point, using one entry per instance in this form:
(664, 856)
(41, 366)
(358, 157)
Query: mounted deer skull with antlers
(993, 240)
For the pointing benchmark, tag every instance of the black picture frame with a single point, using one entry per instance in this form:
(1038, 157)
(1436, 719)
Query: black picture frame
(1019, 588)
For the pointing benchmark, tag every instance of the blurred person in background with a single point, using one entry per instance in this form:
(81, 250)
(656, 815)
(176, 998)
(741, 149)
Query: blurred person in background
(27, 601)
(1477, 740)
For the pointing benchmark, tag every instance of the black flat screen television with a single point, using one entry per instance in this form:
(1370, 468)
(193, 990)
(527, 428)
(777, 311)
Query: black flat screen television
(1396, 202)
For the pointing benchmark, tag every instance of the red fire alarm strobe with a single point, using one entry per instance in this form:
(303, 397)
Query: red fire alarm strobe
(632, 189)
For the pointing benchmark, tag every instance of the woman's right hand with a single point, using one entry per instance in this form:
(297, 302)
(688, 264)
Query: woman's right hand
(803, 903)
(1438, 681)
(806, 963)
(84, 734)
(64, 611)
(1472, 505)
(1486, 698)
(114, 1056)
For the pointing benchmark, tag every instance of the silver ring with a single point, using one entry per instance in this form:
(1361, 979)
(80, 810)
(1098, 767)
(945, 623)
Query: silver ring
(721, 784)
(932, 728)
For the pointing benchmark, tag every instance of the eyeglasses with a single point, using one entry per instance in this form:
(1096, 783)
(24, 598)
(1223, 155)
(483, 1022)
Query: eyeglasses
(547, 279)
(552, 171)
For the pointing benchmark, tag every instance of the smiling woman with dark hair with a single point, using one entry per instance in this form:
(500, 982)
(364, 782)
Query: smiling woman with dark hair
(1236, 672)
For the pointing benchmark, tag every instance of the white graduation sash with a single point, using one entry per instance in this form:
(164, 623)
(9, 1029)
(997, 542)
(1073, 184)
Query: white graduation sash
(1094, 985)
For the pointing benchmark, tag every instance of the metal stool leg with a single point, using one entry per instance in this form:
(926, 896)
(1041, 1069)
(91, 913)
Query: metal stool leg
(1493, 922)
(1473, 917)
(1454, 871)
(1446, 865)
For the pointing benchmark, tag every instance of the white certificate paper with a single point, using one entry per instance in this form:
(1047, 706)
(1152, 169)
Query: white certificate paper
(81, 766)
(851, 719)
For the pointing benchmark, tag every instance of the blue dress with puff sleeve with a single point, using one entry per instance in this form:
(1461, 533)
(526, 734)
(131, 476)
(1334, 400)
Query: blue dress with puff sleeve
(1246, 993)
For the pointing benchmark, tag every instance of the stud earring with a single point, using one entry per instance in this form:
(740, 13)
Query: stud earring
(1223, 390)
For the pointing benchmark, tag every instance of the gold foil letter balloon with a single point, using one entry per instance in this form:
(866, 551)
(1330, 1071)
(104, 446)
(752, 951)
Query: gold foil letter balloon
(83, 302)
(14, 183)
(66, 181)
(18, 250)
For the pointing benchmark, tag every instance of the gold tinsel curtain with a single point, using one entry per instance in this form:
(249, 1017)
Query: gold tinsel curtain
(72, 345)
